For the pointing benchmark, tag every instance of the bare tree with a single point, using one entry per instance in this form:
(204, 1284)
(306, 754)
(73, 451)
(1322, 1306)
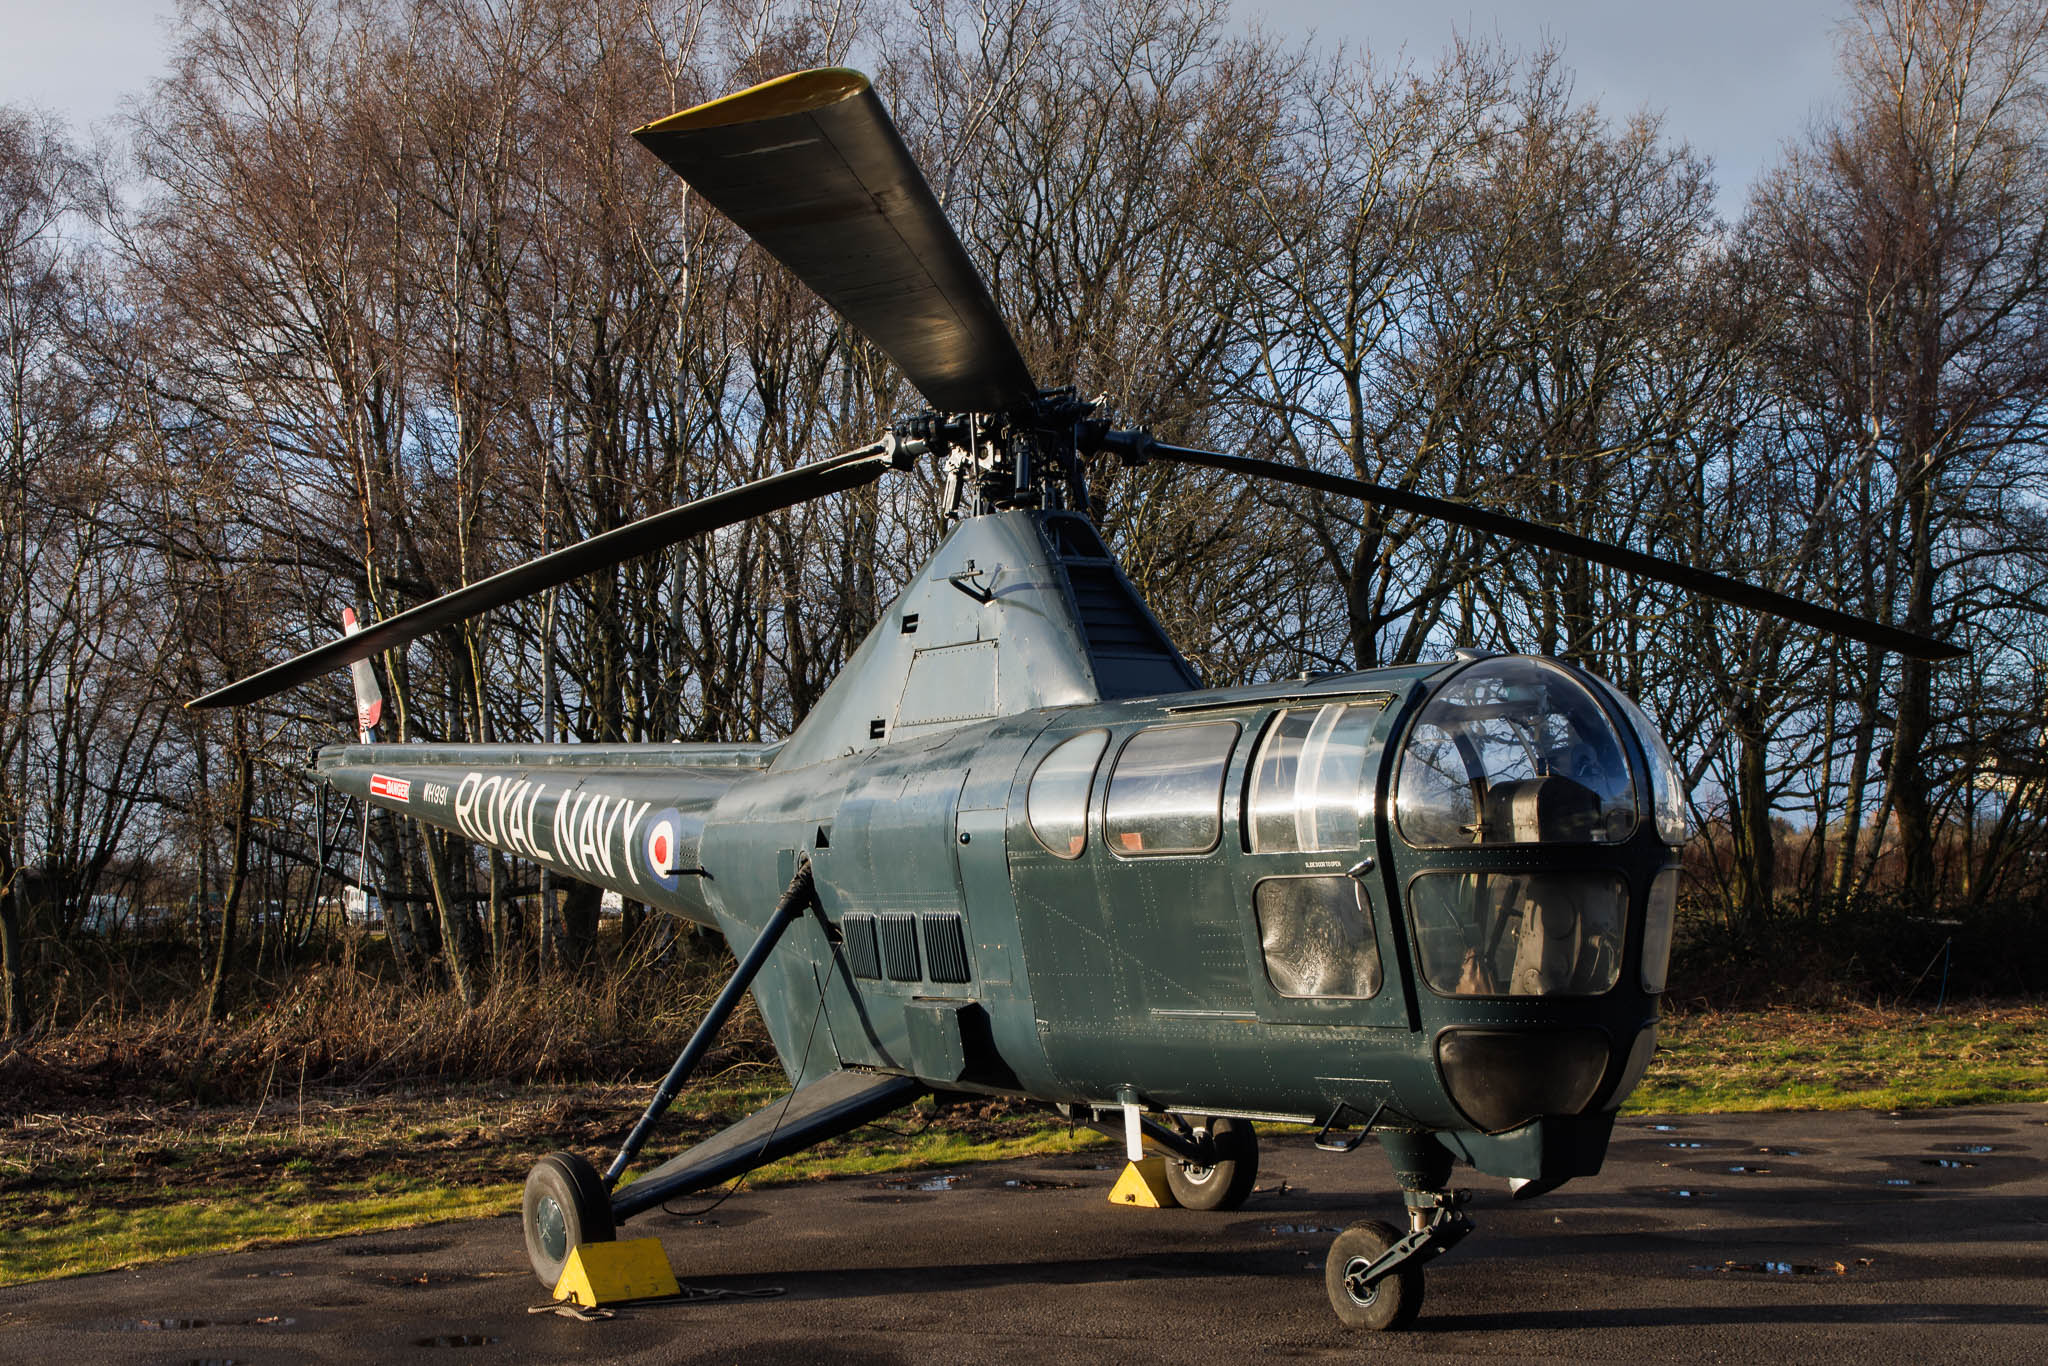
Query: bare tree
(1917, 229)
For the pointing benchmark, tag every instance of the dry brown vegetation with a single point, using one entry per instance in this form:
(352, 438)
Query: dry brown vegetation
(345, 1026)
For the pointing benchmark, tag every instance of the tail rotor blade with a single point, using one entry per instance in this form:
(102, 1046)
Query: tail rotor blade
(643, 537)
(1652, 567)
(369, 697)
(812, 167)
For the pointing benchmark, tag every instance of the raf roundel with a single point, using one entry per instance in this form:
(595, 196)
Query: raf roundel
(662, 848)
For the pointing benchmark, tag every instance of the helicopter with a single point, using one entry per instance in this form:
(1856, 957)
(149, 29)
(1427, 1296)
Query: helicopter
(1018, 849)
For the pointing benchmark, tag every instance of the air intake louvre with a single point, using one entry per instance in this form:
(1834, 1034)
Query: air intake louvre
(898, 934)
(945, 947)
(861, 954)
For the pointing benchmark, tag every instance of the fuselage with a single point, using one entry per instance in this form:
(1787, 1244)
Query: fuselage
(1180, 900)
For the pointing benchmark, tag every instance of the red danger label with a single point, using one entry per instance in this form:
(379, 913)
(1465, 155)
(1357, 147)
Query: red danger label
(396, 789)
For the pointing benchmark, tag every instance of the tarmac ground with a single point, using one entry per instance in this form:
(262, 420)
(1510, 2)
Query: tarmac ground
(1792, 1237)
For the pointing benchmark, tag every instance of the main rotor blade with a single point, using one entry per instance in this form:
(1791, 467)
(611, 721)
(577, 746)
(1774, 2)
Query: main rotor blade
(649, 534)
(811, 167)
(1699, 581)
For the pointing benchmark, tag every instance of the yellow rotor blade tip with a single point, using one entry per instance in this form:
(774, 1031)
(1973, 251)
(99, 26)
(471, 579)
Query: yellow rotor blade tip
(800, 92)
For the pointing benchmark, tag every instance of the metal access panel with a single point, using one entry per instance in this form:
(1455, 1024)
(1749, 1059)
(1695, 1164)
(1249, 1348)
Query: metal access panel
(938, 1045)
(950, 683)
(985, 882)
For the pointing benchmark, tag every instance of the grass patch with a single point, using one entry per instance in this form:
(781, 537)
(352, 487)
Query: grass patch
(861, 1156)
(102, 1239)
(95, 1189)
(1851, 1058)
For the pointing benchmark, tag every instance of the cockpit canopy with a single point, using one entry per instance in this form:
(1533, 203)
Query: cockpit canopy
(1515, 751)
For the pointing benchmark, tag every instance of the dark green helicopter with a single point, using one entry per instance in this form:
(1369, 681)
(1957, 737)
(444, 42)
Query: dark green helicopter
(1018, 849)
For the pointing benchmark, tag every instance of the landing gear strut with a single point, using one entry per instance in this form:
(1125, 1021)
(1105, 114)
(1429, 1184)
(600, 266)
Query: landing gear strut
(1373, 1274)
(567, 1203)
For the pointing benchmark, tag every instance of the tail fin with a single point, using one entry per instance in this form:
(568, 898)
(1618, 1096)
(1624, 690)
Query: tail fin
(369, 698)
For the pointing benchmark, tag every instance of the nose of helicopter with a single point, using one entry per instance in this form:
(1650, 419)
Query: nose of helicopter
(1502, 1078)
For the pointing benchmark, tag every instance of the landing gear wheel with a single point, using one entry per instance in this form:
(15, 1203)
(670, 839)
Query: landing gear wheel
(1389, 1303)
(566, 1206)
(1227, 1183)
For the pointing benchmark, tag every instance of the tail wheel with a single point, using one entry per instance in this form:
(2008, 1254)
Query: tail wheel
(1387, 1304)
(565, 1207)
(1229, 1180)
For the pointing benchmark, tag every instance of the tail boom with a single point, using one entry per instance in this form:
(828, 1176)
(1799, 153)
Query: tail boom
(628, 819)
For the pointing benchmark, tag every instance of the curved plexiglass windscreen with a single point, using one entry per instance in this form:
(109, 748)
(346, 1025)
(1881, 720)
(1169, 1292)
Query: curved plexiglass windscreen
(1667, 785)
(1514, 751)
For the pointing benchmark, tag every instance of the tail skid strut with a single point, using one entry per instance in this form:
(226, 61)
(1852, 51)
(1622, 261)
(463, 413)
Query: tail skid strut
(825, 1108)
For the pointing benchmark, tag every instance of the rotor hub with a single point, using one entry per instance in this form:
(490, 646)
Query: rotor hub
(1027, 456)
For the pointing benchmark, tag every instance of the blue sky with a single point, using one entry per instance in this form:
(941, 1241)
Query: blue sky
(1736, 78)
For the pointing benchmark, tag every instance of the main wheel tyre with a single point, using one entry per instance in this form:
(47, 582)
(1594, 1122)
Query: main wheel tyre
(1226, 1183)
(1389, 1303)
(565, 1206)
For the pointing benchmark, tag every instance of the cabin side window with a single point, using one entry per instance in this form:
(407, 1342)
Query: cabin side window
(1307, 788)
(1056, 804)
(1166, 793)
(1317, 937)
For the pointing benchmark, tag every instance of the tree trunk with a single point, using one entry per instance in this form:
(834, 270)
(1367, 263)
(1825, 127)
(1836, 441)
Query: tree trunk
(405, 947)
(238, 874)
(1859, 777)
(1908, 777)
(1755, 848)
(461, 937)
(11, 1004)
(580, 904)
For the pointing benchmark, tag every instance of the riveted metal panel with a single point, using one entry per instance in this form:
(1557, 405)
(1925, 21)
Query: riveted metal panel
(951, 683)
(938, 1048)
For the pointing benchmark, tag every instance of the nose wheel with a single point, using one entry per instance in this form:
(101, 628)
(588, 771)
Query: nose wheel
(1376, 1305)
(1373, 1274)
(1228, 1179)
